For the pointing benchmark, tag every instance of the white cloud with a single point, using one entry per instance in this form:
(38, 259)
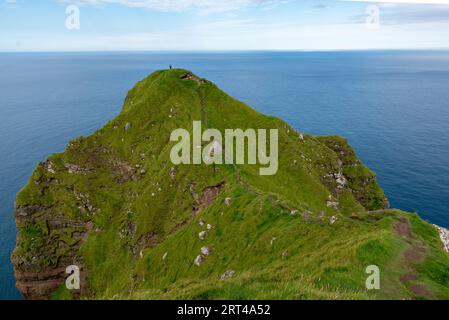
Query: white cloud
(203, 6)
(248, 35)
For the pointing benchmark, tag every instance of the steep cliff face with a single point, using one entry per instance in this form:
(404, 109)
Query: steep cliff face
(139, 226)
(47, 243)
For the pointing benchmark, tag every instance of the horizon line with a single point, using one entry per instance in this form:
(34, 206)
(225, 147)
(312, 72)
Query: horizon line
(230, 50)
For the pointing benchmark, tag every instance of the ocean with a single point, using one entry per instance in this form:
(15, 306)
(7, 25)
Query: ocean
(392, 106)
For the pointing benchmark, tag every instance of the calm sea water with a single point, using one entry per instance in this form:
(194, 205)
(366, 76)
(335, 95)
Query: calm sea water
(392, 106)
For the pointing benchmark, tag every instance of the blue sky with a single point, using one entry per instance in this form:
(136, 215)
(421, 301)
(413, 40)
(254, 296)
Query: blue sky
(40, 25)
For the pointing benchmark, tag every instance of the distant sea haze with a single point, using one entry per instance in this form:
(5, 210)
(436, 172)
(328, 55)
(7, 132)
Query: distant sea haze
(392, 106)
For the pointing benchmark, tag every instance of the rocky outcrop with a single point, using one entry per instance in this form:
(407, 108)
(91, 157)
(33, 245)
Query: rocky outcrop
(227, 275)
(43, 253)
(208, 196)
(348, 173)
(39, 285)
(192, 77)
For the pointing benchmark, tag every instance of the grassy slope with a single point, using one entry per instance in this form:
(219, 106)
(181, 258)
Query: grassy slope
(143, 215)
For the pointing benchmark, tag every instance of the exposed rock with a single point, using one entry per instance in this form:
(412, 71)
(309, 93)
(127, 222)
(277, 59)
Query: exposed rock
(209, 227)
(123, 171)
(444, 236)
(306, 215)
(227, 275)
(208, 196)
(84, 203)
(27, 213)
(128, 230)
(333, 219)
(228, 201)
(199, 260)
(202, 235)
(75, 169)
(332, 203)
(49, 166)
(205, 251)
(146, 241)
(172, 173)
(42, 285)
(361, 183)
(195, 196)
(294, 212)
(202, 222)
(41, 271)
(340, 179)
(127, 126)
(89, 226)
(190, 76)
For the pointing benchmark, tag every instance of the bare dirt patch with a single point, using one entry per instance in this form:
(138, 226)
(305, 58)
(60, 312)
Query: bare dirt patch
(402, 228)
(189, 76)
(414, 255)
(208, 196)
(421, 291)
(408, 277)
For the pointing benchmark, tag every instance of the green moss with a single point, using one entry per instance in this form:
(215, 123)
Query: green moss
(32, 237)
(62, 293)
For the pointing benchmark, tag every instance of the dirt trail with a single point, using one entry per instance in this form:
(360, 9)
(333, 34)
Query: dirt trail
(402, 228)
(412, 256)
